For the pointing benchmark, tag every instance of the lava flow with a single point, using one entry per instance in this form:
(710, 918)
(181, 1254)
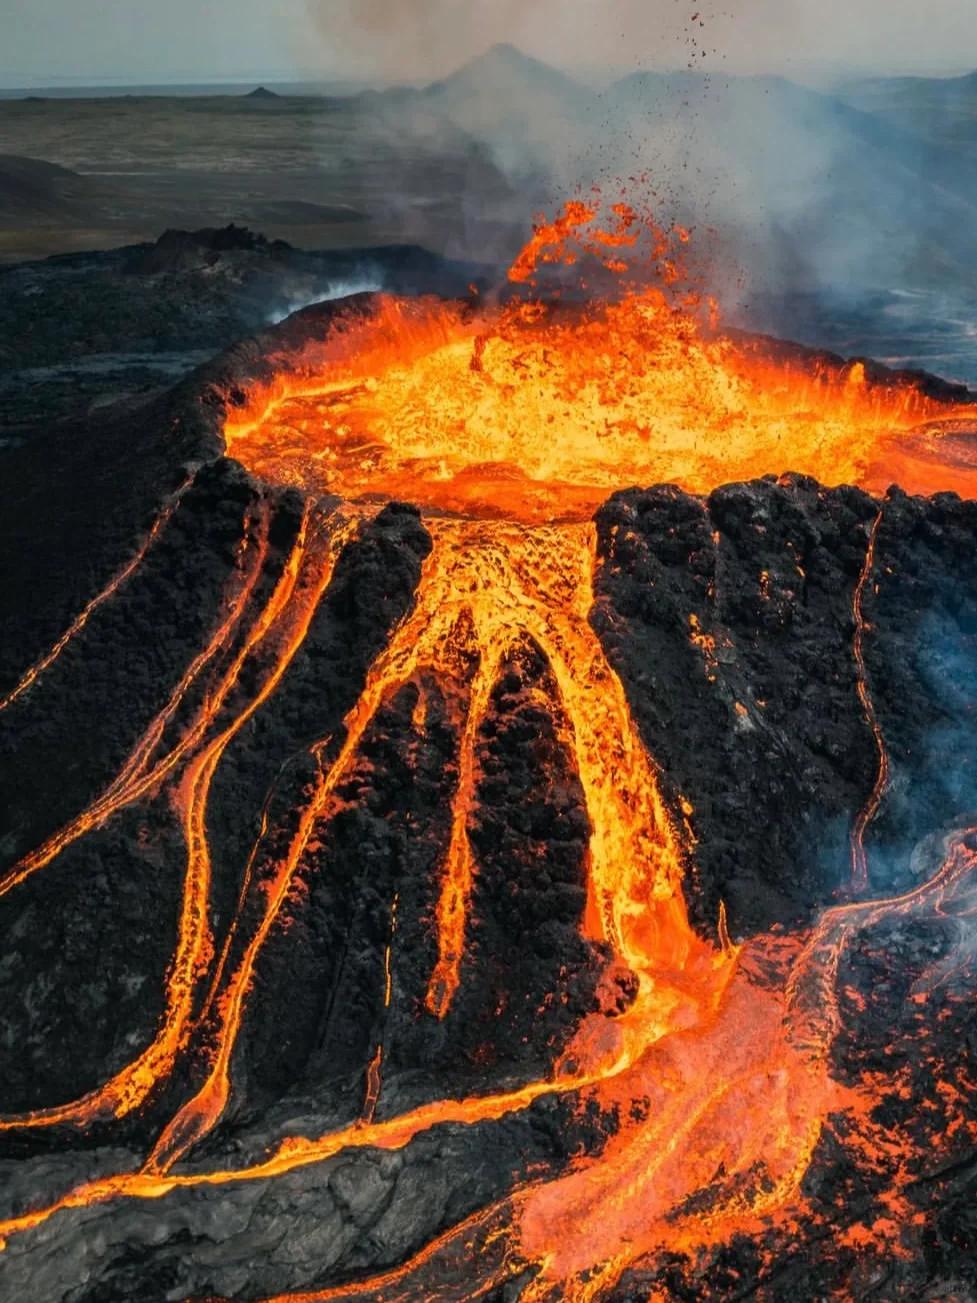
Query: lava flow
(508, 426)
(286, 621)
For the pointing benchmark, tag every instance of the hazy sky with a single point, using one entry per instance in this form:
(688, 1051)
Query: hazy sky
(45, 41)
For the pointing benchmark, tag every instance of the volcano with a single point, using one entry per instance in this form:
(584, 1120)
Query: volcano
(434, 868)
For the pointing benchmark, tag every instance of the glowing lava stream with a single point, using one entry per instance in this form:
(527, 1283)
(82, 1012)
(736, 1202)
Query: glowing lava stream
(30, 677)
(735, 1077)
(859, 859)
(739, 1105)
(131, 1086)
(732, 1113)
(487, 588)
(708, 1051)
(139, 775)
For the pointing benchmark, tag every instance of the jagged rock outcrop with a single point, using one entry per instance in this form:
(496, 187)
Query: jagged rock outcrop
(732, 622)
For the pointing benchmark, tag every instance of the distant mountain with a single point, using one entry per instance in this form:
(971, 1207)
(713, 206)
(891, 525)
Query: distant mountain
(504, 71)
(262, 93)
(941, 109)
(521, 108)
(946, 89)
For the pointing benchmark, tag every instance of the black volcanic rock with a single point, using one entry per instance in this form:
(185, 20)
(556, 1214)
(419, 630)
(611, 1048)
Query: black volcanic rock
(922, 658)
(185, 250)
(730, 620)
(90, 329)
(762, 730)
(529, 836)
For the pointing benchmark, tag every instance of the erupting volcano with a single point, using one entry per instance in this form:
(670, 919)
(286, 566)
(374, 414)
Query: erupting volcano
(700, 1077)
(537, 412)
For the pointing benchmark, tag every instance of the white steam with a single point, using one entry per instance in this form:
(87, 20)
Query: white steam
(341, 289)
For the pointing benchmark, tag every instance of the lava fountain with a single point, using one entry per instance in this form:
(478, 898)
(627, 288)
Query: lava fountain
(539, 411)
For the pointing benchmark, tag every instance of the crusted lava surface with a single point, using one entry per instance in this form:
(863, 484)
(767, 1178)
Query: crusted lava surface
(241, 623)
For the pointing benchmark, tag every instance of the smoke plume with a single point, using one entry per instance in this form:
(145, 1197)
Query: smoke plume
(801, 191)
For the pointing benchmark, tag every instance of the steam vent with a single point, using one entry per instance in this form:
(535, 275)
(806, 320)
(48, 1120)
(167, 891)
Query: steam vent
(434, 868)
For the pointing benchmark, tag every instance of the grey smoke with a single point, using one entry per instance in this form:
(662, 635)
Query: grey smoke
(411, 39)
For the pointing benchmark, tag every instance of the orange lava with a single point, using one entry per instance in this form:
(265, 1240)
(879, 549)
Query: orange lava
(538, 412)
(859, 859)
(509, 426)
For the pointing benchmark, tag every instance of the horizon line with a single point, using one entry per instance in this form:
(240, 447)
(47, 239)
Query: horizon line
(12, 84)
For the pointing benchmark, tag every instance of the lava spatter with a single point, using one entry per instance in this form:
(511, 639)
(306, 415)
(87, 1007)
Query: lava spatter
(539, 411)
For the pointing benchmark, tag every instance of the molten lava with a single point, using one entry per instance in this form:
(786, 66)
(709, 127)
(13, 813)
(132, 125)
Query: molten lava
(508, 426)
(537, 412)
